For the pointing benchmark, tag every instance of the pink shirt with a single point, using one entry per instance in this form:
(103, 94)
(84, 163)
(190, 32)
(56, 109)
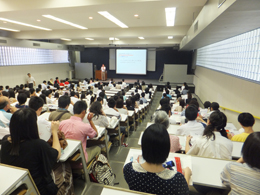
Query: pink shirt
(74, 128)
(175, 143)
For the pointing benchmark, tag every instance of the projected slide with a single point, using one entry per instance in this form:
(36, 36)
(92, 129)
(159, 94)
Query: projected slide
(131, 61)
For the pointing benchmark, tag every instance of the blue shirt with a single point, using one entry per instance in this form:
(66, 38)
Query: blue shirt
(5, 118)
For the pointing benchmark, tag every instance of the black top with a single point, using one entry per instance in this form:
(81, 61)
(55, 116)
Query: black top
(130, 108)
(38, 157)
(167, 182)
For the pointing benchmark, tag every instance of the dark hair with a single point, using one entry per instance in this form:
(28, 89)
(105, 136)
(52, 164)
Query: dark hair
(92, 99)
(38, 89)
(43, 96)
(99, 99)
(5, 93)
(123, 93)
(155, 144)
(111, 103)
(191, 113)
(7, 87)
(143, 94)
(128, 102)
(35, 103)
(250, 150)
(11, 93)
(218, 121)
(32, 90)
(79, 106)
(164, 101)
(96, 108)
(22, 97)
(246, 119)
(3, 104)
(207, 104)
(64, 101)
(56, 95)
(72, 93)
(182, 103)
(102, 94)
(167, 91)
(194, 103)
(189, 95)
(83, 96)
(166, 108)
(23, 126)
(119, 103)
(214, 106)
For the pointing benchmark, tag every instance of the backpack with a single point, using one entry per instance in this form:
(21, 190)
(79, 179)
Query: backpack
(102, 172)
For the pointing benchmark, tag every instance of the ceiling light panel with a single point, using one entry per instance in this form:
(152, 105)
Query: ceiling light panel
(170, 37)
(170, 13)
(64, 21)
(140, 37)
(90, 39)
(24, 24)
(113, 19)
(8, 29)
(65, 39)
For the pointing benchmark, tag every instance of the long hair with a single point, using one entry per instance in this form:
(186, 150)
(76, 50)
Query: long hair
(23, 126)
(218, 121)
(96, 108)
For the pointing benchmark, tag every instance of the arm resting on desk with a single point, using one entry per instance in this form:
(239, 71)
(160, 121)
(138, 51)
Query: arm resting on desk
(55, 143)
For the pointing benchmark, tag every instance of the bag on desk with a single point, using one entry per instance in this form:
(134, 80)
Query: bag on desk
(102, 172)
(62, 140)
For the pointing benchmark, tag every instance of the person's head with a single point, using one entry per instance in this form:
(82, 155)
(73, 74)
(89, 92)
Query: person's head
(32, 92)
(164, 95)
(57, 78)
(21, 86)
(36, 103)
(182, 103)
(123, 80)
(128, 102)
(207, 104)
(146, 90)
(119, 103)
(7, 87)
(214, 106)
(250, 150)
(155, 144)
(44, 82)
(72, 93)
(115, 97)
(143, 94)
(189, 96)
(48, 94)
(100, 99)
(83, 96)
(102, 94)
(27, 93)
(103, 65)
(191, 113)
(164, 101)
(4, 103)
(111, 103)
(96, 108)
(80, 108)
(23, 126)
(43, 96)
(246, 119)
(123, 93)
(166, 108)
(194, 103)
(5, 93)
(64, 101)
(29, 74)
(11, 93)
(22, 97)
(38, 90)
(167, 91)
(216, 122)
(161, 117)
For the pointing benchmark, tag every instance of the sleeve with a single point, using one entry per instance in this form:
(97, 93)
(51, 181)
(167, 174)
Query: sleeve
(180, 131)
(127, 172)
(89, 131)
(225, 175)
(194, 149)
(175, 143)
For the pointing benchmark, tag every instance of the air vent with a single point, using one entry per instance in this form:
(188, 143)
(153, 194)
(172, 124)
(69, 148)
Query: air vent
(220, 3)
(3, 41)
(196, 26)
(36, 44)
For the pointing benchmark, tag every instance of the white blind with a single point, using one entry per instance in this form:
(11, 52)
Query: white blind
(24, 56)
(239, 56)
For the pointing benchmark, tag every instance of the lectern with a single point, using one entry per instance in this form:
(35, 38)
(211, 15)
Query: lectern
(98, 75)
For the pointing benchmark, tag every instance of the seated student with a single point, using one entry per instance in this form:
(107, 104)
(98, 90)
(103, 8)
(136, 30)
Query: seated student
(24, 149)
(243, 176)
(67, 82)
(206, 109)
(50, 82)
(103, 96)
(75, 128)
(22, 98)
(167, 94)
(160, 117)
(246, 120)
(214, 143)
(99, 117)
(129, 104)
(192, 127)
(5, 116)
(181, 106)
(213, 107)
(111, 110)
(120, 107)
(147, 93)
(32, 92)
(123, 85)
(143, 98)
(62, 112)
(150, 176)
(44, 86)
(38, 91)
(49, 97)
(74, 97)
(43, 96)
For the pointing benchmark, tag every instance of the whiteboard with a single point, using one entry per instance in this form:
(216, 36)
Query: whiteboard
(176, 73)
(83, 70)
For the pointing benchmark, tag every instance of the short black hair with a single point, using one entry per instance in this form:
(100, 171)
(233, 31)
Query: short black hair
(22, 97)
(119, 103)
(79, 106)
(44, 81)
(99, 99)
(56, 95)
(64, 101)
(102, 94)
(128, 102)
(246, 119)
(38, 89)
(167, 91)
(32, 90)
(72, 93)
(35, 103)
(250, 150)
(43, 96)
(191, 113)
(214, 106)
(207, 104)
(111, 103)
(155, 144)
(194, 103)
(142, 94)
(164, 101)
(166, 108)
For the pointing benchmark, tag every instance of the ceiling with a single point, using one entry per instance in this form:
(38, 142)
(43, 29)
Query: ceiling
(151, 23)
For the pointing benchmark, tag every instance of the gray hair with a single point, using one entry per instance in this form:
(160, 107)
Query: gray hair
(161, 117)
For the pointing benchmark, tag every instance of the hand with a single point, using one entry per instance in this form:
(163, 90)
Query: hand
(229, 135)
(13, 109)
(188, 138)
(55, 126)
(186, 171)
(90, 116)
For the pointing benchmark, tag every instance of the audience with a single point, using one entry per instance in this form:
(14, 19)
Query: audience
(99, 117)
(22, 98)
(5, 116)
(120, 106)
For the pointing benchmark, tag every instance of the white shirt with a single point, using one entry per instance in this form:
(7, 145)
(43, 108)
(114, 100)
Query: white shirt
(103, 69)
(122, 111)
(44, 128)
(30, 79)
(192, 128)
(74, 99)
(123, 85)
(221, 147)
(48, 100)
(44, 87)
(111, 111)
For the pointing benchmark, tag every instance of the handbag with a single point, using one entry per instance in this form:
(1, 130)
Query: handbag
(62, 140)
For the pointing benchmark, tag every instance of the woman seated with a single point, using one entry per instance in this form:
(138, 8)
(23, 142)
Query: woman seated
(99, 117)
(243, 176)
(160, 117)
(25, 149)
(181, 106)
(214, 142)
(151, 176)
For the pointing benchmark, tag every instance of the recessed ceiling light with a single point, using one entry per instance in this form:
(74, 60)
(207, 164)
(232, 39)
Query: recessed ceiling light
(38, 20)
(170, 15)
(24, 24)
(113, 19)
(140, 37)
(170, 37)
(90, 39)
(116, 39)
(4, 22)
(136, 15)
(64, 39)
(90, 18)
(64, 21)
(2, 28)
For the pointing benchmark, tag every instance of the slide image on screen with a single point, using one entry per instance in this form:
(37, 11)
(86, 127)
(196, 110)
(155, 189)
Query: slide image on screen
(131, 61)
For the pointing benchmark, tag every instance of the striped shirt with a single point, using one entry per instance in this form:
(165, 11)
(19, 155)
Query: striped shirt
(241, 178)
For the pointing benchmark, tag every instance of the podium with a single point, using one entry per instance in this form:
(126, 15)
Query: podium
(98, 75)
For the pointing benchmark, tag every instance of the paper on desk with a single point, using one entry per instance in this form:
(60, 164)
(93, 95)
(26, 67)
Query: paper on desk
(101, 132)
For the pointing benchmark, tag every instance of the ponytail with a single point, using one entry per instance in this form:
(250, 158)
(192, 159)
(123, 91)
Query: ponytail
(208, 132)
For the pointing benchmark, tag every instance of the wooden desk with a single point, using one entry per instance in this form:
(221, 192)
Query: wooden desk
(98, 75)
(13, 177)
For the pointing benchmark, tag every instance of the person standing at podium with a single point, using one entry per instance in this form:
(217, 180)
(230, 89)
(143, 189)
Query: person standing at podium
(103, 72)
